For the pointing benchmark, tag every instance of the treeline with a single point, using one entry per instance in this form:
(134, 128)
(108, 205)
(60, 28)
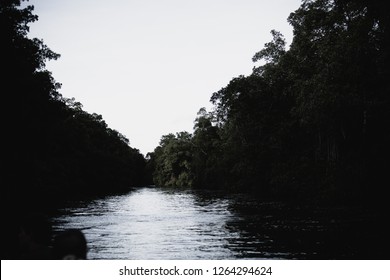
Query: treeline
(311, 122)
(53, 149)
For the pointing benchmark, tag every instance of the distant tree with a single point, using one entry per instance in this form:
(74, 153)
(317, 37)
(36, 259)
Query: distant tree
(173, 159)
(207, 151)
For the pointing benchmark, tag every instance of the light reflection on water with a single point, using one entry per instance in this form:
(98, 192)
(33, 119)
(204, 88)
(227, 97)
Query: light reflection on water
(156, 223)
(150, 223)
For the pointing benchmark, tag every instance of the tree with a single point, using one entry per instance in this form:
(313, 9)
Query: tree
(310, 122)
(338, 49)
(54, 149)
(173, 161)
(311, 119)
(207, 152)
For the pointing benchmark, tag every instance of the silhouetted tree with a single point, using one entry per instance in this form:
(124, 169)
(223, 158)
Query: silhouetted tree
(173, 161)
(53, 149)
(309, 122)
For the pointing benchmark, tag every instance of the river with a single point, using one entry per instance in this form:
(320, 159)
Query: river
(155, 223)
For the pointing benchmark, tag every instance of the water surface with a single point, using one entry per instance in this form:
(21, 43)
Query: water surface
(155, 223)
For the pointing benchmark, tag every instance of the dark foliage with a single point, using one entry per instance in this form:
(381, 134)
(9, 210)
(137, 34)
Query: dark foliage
(53, 150)
(310, 124)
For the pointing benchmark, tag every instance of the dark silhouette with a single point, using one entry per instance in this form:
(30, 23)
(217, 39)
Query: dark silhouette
(310, 125)
(28, 237)
(70, 245)
(53, 150)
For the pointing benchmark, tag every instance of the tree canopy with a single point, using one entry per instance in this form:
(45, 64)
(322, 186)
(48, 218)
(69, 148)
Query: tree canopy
(311, 121)
(53, 148)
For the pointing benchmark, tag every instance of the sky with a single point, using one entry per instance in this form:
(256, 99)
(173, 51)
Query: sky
(148, 66)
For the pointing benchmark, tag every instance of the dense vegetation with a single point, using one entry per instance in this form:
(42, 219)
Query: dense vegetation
(311, 122)
(53, 150)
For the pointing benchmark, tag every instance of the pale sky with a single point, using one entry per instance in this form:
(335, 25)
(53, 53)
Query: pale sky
(148, 66)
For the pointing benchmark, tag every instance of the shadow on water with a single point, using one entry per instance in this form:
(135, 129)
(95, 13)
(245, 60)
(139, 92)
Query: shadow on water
(275, 229)
(155, 223)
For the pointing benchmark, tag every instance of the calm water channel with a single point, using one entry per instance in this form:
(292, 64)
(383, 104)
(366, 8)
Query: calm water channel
(154, 223)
